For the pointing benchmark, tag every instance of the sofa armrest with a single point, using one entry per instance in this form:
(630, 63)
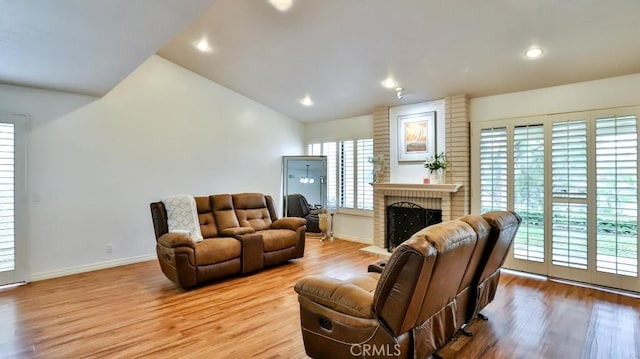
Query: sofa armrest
(292, 223)
(173, 240)
(236, 231)
(337, 295)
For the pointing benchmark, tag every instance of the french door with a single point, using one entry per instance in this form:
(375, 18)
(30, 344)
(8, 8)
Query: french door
(573, 178)
(12, 199)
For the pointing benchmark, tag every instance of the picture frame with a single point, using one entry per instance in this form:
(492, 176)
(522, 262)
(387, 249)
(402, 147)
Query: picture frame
(416, 136)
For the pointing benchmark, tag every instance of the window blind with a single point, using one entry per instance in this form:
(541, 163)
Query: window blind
(347, 174)
(329, 149)
(569, 191)
(493, 169)
(364, 174)
(617, 195)
(7, 215)
(528, 182)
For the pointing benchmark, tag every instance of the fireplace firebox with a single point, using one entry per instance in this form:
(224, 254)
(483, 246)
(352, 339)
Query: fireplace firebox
(405, 219)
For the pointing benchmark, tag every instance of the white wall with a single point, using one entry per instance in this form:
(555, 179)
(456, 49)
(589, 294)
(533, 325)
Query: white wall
(356, 225)
(163, 130)
(339, 130)
(591, 95)
(413, 172)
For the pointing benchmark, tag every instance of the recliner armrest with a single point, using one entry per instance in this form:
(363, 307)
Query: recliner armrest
(173, 240)
(292, 223)
(342, 296)
(236, 231)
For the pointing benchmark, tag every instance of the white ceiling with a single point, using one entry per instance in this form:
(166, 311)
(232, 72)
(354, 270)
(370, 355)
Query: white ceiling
(336, 51)
(88, 46)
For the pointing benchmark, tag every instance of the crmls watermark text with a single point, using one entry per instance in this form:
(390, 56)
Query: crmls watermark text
(366, 350)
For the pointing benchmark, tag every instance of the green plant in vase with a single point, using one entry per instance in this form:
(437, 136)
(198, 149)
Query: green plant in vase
(436, 165)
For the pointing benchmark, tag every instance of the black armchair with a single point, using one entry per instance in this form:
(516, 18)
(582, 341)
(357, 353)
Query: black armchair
(297, 206)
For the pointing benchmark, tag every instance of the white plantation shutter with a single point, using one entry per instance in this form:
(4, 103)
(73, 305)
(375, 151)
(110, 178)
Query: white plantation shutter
(528, 182)
(347, 174)
(569, 159)
(617, 195)
(493, 169)
(329, 149)
(7, 195)
(569, 190)
(365, 174)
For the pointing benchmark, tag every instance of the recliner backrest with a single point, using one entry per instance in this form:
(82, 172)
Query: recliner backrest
(454, 241)
(252, 210)
(223, 211)
(400, 290)
(297, 206)
(423, 275)
(504, 226)
(205, 217)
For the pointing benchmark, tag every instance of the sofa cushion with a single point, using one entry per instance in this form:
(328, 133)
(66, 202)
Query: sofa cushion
(252, 211)
(216, 250)
(276, 239)
(205, 216)
(223, 212)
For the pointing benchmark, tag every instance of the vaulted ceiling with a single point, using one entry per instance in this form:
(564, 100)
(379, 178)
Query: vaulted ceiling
(337, 52)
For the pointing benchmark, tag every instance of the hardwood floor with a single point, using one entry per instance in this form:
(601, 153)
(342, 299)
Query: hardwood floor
(134, 311)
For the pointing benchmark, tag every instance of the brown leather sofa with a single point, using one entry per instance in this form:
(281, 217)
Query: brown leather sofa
(242, 234)
(432, 285)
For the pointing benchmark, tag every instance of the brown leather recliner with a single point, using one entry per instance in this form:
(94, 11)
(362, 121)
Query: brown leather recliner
(409, 311)
(241, 234)
(297, 206)
(433, 283)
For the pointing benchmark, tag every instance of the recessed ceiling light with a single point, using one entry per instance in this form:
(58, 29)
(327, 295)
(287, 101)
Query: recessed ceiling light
(533, 53)
(202, 45)
(389, 83)
(306, 101)
(281, 5)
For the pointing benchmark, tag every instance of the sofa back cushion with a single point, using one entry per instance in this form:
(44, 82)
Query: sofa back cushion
(252, 210)
(223, 211)
(205, 217)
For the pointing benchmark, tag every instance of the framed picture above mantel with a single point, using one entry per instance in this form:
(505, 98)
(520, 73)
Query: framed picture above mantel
(416, 136)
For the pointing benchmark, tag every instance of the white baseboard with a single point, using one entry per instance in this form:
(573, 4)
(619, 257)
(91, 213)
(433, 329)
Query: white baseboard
(91, 267)
(353, 239)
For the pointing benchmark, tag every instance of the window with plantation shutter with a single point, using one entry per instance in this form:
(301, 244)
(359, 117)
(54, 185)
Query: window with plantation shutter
(493, 169)
(328, 149)
(617, 195)
(7, 218)
(573, 179)
(569, 191)
(528, 183)
(364, 174)
(349, 172)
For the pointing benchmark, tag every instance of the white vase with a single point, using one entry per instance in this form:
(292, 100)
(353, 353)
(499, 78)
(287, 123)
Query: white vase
(437, 176)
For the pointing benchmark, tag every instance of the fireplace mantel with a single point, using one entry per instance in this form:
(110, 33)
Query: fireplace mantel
(451, 188)
(431, 196)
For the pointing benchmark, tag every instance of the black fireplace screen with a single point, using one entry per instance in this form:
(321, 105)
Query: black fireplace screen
(406, 218)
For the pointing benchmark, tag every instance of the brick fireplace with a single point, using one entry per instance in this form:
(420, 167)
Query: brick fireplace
(427, 196)
(452, 198)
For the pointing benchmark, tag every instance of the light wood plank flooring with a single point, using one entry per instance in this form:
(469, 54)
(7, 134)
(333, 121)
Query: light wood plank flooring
(135, 312)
